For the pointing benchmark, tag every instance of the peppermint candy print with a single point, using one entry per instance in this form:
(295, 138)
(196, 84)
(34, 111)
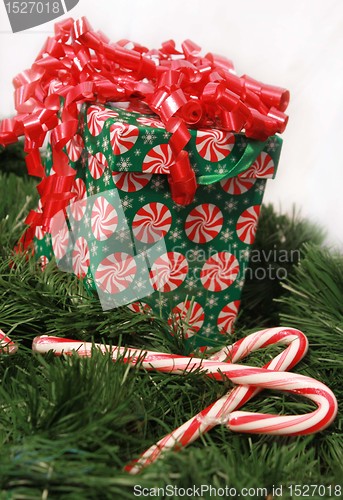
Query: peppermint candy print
(158, 160)
(237, 185)
(97, 164)
(96, 117)
(80, 257)
(59, 235)
(79, 202)
(204, 223)
(39, 233)
(116, 272)
(130, 182)
(263, 167)
(75, 147)
(150, 122)
(188, 316)
(247, 223)
(140, 307)
(219, 271)
(123, 137)
(152, 222)
(169, 271)
(104, 219)
(214, 145)
(227, 316)
(43, 261)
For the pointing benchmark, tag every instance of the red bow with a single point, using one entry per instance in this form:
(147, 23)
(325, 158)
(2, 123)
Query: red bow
(185, 89)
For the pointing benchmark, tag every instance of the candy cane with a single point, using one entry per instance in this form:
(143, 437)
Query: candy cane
(222, 411)
(7, 346)
(216, 366)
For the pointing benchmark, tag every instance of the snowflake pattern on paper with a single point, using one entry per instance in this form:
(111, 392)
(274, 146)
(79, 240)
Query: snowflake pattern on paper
(175, 234)
(226, 235)
(126, 202)
(231, 205)
(107, 178)
(124, 165)
(149, 136)
(272, 144)
(212, 301)
(157, 184)
(105, 143)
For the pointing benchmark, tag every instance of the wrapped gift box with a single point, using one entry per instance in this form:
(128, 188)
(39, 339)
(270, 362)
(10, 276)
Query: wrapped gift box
(131, 243)
(155, 211)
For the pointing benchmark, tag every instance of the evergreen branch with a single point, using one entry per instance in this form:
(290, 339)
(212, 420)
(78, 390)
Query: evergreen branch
(69, 425)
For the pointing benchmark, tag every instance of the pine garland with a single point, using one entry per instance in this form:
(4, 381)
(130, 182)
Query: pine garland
(278, 247)
(12, 159)
(69, 425)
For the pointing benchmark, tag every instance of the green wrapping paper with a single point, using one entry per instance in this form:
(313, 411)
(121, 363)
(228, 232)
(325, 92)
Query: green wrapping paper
(131, 244)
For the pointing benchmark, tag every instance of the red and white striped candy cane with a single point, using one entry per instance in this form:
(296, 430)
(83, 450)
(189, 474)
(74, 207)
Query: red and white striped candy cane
(250, 380)
(7, 346)
(215, 367)
(222, 411)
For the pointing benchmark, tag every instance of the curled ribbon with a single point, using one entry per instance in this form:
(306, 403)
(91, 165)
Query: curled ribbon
(78, 65)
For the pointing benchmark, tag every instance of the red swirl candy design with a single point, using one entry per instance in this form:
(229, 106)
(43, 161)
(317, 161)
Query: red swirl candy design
(247, 223)
(123, 137)
(158, 160)
(227, 316)
(263, 167)
(43, 261)
(214, 145)
(150, 122)
(140, 307)
(152, 222)
(97, 164)
(96, 117)
(188, 316)
(80, 257)
(104, 219)
(204, 223)
(79, 202)
(237, 185)
(116, 272)
(169, 271)
(219, 271)
(75, 147)
(59, 235)
(39, 233)
(130, 182)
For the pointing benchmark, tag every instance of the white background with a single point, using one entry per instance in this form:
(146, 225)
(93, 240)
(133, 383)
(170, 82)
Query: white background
(296, 44)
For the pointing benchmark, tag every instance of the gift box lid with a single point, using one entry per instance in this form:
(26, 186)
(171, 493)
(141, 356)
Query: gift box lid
(128, 138)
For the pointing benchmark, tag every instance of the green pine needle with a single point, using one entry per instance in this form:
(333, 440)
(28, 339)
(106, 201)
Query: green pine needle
(68, 425)
(279, 244)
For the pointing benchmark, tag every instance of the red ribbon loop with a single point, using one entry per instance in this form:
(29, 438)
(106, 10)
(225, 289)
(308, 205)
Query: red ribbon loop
(182, 180)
